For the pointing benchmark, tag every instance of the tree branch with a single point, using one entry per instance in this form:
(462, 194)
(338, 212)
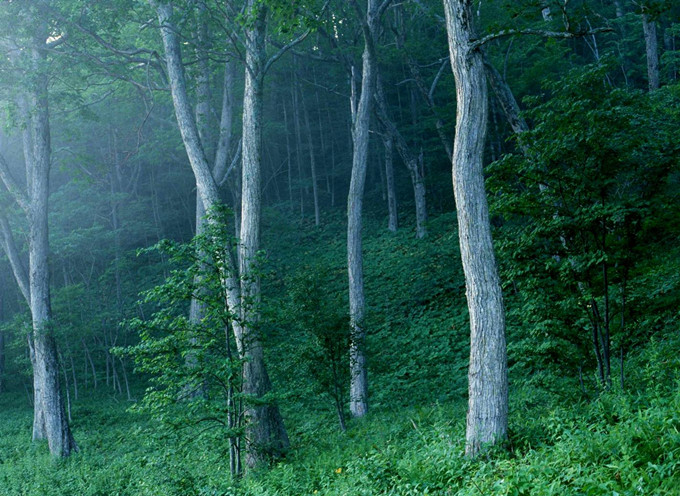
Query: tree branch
(12, 186)
(18, 268)
(293, 43)
(476, 44)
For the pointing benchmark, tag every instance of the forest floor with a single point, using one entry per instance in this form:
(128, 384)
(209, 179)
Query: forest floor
(564, 439)
(622, 442)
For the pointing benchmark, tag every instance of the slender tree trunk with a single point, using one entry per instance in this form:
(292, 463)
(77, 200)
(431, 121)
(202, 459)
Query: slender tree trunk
(361, 117)
(412, 161)
(312, 165)
(288, 159)
(2, 361)
(507, 100)
(10, 249)
(652, 51)
(487, 416)
(265, 436)
(205, 183)
(298, 146)
(203, 108)
(393, 222)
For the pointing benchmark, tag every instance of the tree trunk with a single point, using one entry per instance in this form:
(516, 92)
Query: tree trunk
(265, 436)
(312, 165)
(265, 433)
(412, 161)
(488, 388)
(2, 361)
(393, 222)
(507, 100)
(10, 249)
(361, 117)
(652, 51)
(50, 417)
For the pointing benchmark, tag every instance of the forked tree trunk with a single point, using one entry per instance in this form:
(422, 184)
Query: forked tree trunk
(487, 416)
(265, 433)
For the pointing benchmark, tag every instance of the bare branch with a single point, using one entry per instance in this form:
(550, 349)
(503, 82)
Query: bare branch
(12, 186)
(474, 45)
(18, 267)
(284, 49)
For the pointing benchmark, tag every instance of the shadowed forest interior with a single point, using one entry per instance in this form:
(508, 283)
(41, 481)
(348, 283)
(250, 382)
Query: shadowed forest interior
(270, 247)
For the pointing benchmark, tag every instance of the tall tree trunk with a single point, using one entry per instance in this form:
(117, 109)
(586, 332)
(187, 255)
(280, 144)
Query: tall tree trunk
(487, 416)
(393, 222)
(266, 436)
(2, 340)
(203, 110)
(361, 117)
(265, 433)
(2, 361)
(312, 165)
(652, 50)
(298, 144)
(50, 419)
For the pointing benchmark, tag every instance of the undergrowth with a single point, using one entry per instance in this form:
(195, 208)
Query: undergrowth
(565, 438)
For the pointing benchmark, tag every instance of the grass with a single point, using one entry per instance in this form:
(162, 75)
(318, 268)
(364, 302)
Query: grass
(623, 442)
(562, 442)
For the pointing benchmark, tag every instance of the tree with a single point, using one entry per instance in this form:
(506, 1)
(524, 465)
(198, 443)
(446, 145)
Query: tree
(50, 420)
(361, 117)
(487, 416)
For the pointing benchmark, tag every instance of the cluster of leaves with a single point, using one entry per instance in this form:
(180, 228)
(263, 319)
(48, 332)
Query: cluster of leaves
(193, 367)
(592, 197)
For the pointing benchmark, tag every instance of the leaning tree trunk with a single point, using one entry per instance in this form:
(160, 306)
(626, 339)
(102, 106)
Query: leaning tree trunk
(487, 416)
(266, 436)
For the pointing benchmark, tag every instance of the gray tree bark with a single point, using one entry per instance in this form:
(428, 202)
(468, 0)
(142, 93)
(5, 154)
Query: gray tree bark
(312, 165)
(266, 436)
(49, 420)
(488, 388)
(652, 51)
(361, 118)
(393, 219)
(10, 249)
(265, 433)
(2, 361)
(412, 161)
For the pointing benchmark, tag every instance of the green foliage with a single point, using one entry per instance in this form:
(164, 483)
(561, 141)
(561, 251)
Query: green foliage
(320, 320)
(194, 369)
(584, 214)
